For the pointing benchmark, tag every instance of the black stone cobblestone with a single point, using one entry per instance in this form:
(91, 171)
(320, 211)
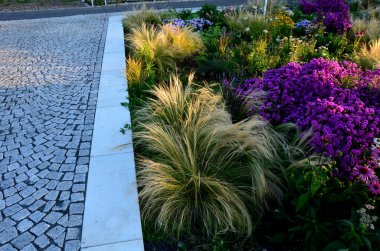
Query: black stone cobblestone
(47, 86)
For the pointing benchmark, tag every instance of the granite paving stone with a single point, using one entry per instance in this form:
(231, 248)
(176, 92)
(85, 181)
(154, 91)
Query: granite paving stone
(42, 241)
(49, 80)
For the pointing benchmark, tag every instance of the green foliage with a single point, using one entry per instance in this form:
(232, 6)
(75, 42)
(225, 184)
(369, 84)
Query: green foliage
(185, 14)
(281, 25)
(211, 12)
(199, 176)
(339, 46)
(320, 212)
(259, 59)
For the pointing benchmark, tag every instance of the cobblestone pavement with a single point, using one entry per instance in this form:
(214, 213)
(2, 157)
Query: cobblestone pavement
(49, 77)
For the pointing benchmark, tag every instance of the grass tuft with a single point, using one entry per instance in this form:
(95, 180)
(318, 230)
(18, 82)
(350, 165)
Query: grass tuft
(369, 55)
(199, 171)
(164, 46)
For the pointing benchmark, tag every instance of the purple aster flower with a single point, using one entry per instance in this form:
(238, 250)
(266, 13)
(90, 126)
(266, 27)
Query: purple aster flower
(364, 173)
(374, 187)
(338, 100)
(334, 14)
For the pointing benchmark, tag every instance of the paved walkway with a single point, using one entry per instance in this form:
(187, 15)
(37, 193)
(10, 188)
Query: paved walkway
(112, 9)
(49, 77)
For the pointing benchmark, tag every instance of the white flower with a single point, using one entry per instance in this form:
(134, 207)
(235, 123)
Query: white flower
(245, 18)
(265, 31)
(246, 29)
(361, 211)
(370, 207)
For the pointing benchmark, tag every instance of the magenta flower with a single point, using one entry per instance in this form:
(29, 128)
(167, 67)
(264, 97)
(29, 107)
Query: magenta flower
(364, 173)
(339, 101)
(375, 187)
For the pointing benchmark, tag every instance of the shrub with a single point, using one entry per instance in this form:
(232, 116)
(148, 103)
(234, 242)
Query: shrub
(210, 12)
(320, 213)
(339, 101)
(281, 25)
(164, 46)
(258, 58)
(200, 172)
(369, 56)
(296, 49)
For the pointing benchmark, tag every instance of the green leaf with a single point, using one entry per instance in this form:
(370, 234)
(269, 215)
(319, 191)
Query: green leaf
(334, 246)
(302, 200)
(354, 246)
(346, 223)
(367, 243)
(315, 184)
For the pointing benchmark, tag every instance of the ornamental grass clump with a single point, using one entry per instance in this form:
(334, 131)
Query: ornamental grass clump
(243, 21)
(200, 172)
(144, 16)
(163, 46)
(371, 28)
(369, 55)
(339, 101)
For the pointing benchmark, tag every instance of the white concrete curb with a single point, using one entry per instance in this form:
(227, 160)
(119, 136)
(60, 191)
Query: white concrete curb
(112, 214)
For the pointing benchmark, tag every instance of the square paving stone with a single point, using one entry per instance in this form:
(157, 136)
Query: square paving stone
(23, 240)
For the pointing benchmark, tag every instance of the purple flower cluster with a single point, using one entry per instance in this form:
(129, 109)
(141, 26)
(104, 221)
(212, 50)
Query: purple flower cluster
(335, 13)
(305, 25)
(196, 23)
(177, 22)
(199, 23)
(338, 100)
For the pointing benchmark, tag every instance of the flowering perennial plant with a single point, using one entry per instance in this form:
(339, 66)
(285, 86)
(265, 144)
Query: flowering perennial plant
(335, 13)
(177, 22)
(196, 23)
(199, 23)
(366, 218)
(338, 100)
(304, 24)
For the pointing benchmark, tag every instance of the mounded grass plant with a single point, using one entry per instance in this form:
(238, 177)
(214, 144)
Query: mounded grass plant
(198, 171)
(371, 28)
(144, 16)
(369, 55)
(163, 46)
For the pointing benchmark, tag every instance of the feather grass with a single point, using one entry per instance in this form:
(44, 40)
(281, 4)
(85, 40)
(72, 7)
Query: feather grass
(369, 55)
(199, 171)
(165, 45)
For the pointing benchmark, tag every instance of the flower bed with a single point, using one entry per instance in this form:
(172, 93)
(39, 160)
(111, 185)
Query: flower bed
(290, 139)
(340, 102)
